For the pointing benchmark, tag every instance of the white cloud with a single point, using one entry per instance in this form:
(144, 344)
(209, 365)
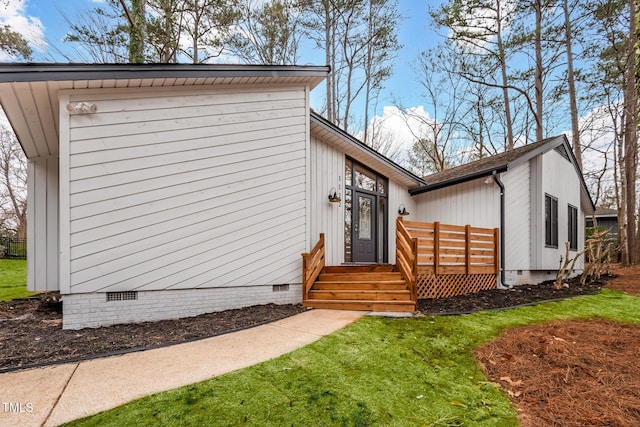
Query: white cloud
(403, 125)
(14, 15)
(482, 23)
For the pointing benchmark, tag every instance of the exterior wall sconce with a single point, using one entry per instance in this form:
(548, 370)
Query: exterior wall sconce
(334, 197)
(81, 108)
(402, 211)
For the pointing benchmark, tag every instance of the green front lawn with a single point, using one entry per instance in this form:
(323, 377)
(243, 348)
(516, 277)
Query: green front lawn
(417, 371)
(13, 279)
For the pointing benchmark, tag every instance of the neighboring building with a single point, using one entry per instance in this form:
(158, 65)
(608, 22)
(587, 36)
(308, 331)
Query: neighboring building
(606, 219)
(164, 190)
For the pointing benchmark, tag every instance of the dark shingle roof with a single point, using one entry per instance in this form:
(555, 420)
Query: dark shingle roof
(602, 212)
(484, 167)
(503, 162)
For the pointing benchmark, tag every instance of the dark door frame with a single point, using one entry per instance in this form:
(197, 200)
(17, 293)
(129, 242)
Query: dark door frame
(380, 215)
(358, 252)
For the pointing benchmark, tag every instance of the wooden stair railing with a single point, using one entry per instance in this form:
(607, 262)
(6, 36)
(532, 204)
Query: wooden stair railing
(407, 257)
(312, 265)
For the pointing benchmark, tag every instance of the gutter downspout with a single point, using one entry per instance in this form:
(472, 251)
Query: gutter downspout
(494, 174)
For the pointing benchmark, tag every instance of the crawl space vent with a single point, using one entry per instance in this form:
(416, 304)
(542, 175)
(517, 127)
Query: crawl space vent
(122, 296)
(280, 288)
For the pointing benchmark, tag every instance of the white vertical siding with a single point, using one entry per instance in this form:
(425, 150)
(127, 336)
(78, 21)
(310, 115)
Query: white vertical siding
(327, 171)
(517, 218)
(473, 202)
(42, 224)
(399, 194)
(187, 189)
(559, 179)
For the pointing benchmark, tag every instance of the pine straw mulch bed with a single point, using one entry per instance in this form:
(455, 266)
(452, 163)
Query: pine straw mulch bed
(571, 373)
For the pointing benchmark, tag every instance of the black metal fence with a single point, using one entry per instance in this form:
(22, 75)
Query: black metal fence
(13, 248)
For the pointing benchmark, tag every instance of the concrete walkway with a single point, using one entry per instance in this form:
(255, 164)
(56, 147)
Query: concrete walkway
(57, 394)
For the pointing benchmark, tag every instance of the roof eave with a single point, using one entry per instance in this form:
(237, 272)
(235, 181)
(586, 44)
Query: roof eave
(32, 72)
(459, 180)
(351, 140)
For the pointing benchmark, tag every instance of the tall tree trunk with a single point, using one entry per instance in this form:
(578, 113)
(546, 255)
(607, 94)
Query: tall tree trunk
(631, 140)
(367, 94)
(538, 73)
(137, 23)
(328, 59)
(505, 80)
(573, 104)
(621, 197)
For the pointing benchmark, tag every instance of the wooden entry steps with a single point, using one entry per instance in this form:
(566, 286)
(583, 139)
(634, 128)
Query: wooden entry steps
(370, 288)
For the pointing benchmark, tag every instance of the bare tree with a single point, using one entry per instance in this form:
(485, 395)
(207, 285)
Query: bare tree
(96, 39)
(631, 139)
(439, 143)
(571, 84)
(478, 27)
(205, 23)
(13, 185)
(267, 34)
(359, 41)
(382, 139)
(171, 30)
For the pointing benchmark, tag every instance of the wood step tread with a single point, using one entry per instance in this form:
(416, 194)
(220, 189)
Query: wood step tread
(359, 277)
(364, 286)
(372, 295)
(362, 305)
(359, 268)
(357, 282)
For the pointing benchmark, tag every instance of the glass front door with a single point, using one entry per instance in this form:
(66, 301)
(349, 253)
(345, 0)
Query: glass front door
(364, 228)
(366, 221)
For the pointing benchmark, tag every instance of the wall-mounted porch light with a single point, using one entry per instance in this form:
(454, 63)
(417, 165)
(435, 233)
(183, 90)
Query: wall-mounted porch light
(402, 211)
(334, 196)
(81, 108)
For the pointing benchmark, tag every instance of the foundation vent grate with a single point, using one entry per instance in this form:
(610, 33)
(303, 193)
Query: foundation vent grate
(122, 296)
(281, 288)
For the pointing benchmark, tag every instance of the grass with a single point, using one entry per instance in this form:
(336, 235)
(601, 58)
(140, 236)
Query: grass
(396, 372)
(13, 279)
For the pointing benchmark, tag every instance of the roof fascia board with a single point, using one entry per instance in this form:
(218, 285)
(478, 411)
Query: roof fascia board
(151, 90)
(325, 124)
(18, 72)
(555, 142)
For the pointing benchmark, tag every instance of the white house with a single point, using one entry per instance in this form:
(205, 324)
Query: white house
(535, 194)
(164, 190)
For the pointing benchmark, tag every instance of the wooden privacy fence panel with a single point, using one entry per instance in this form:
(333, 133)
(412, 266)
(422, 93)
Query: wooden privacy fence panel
(452, 259)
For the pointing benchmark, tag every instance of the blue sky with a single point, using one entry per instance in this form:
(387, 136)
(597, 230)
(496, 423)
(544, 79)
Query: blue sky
(414, 34)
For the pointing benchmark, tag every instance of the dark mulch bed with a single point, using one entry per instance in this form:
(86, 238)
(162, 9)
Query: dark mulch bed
(31, 331)
(494, 299)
